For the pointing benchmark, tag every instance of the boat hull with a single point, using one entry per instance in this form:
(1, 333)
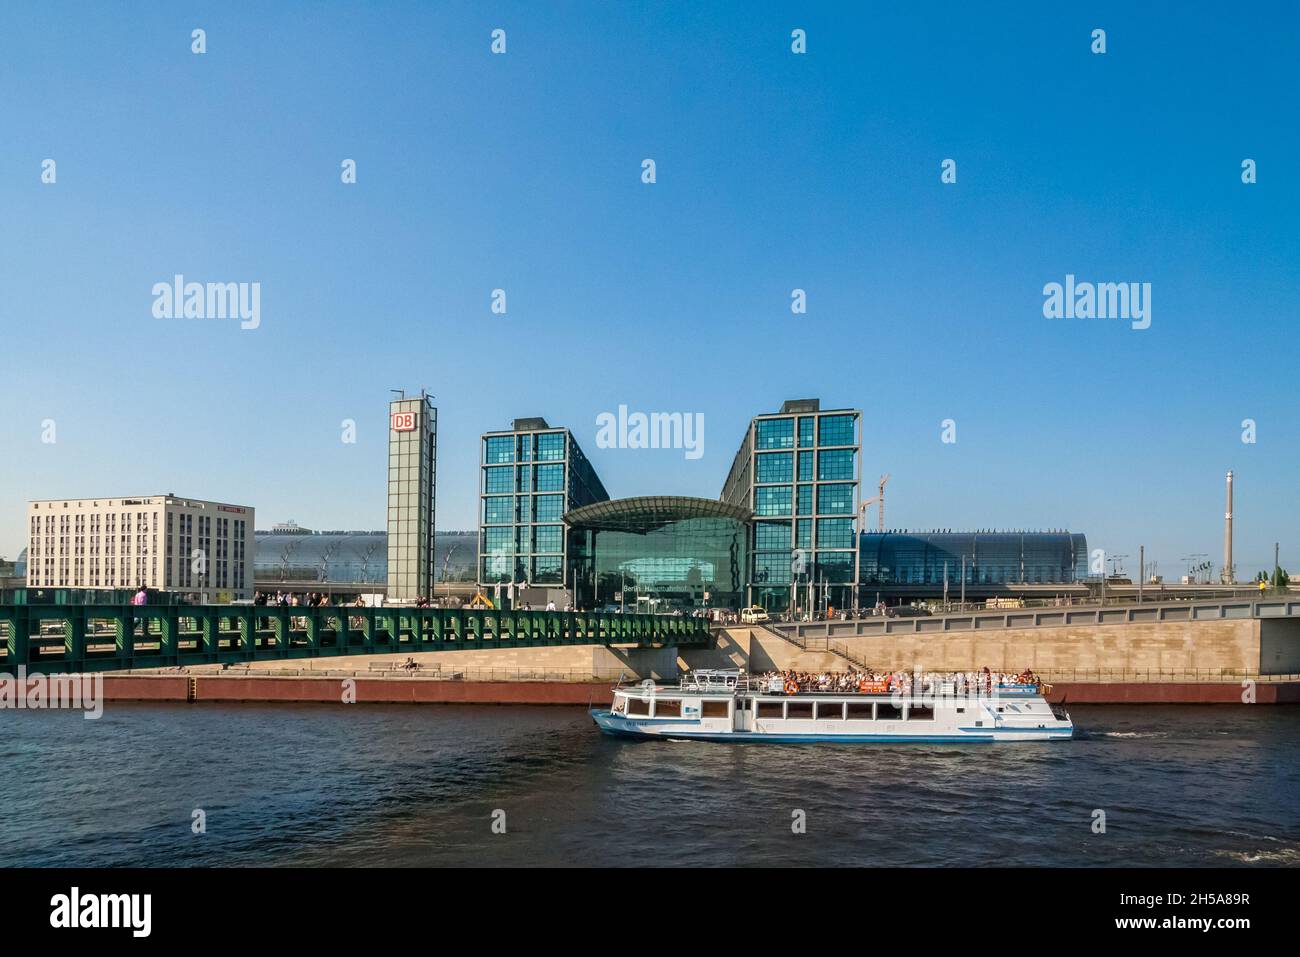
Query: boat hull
(621, 726)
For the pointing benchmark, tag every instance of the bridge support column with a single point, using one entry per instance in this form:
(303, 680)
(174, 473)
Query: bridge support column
(246, 624)
(279, 622)
(343, 633)
(19, 638)
(168, 646)
(74, 639)
(126, 635)
(313, 631)
(209, 633)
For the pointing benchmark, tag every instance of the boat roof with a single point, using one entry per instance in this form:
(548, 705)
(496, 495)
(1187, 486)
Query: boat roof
(737, 681)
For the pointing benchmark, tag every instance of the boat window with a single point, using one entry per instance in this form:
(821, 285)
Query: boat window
(637, 706)
(798, 709)
(715, 709)
(917, 713)
(667, 709)
(860, 710)
(890, 711)
(771, 709)
(830, 709)
(620, 705)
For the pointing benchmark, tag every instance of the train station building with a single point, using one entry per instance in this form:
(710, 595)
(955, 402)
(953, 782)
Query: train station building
(784, 533)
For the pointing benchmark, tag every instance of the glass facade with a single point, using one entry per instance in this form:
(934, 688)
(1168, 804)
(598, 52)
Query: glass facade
(798, 471)
(784, 534)
(412, 474)
(919, 558)
(350, 558)
(657, 554)
(530, 477)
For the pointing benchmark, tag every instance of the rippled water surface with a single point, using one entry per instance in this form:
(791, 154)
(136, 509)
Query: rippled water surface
(418, 785)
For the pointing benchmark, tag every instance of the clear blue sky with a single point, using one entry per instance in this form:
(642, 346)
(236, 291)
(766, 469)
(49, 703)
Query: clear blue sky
(775, 171)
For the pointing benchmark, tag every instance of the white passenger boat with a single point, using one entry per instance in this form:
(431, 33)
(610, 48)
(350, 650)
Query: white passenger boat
(733, 706)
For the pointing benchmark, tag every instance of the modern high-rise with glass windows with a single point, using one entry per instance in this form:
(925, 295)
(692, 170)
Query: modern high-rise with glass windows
(530, 476)
(799, 472)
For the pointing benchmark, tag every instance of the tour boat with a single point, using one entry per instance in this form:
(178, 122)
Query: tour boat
(733, 706)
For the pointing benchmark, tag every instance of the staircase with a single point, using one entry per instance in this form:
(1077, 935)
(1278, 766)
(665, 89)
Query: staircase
(838, 648)
(843, 651)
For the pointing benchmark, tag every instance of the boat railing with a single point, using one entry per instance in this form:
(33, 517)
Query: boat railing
(718, 681)
(713, 679)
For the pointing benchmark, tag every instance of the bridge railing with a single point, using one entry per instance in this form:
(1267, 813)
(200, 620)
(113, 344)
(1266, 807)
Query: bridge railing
(1156, 613)
(1156, 675)
(65, 638)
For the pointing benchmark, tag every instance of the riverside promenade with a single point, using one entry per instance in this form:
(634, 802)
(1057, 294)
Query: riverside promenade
(501, 687)
(1226, 652)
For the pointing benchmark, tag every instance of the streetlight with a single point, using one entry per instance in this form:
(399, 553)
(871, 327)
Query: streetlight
(446, 560)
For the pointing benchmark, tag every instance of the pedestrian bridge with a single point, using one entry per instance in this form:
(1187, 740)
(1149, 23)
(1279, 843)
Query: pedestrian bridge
(78, 638)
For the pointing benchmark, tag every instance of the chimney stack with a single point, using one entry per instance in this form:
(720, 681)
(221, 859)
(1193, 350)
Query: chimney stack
(1228, 576)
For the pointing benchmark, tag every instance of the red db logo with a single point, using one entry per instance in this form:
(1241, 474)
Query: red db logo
(403, 421)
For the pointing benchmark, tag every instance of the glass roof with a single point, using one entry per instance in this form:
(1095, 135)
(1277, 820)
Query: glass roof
(647, 512)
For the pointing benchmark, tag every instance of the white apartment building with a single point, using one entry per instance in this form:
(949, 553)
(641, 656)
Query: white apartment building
(159, 541)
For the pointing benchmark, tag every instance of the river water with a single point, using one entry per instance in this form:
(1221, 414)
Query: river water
(422, 785)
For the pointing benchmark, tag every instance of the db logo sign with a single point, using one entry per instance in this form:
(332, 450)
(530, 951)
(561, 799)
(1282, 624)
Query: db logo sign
(403, 421)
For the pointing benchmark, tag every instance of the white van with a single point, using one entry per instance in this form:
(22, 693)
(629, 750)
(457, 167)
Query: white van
(753, 615)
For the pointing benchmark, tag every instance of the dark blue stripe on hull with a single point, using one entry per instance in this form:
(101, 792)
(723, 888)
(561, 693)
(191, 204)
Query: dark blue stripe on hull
(748, 737)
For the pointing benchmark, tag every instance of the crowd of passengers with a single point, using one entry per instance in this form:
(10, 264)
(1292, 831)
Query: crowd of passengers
(870, 681)
(284, 599)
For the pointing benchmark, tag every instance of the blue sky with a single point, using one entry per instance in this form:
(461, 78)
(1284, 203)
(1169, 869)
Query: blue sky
(775, 171)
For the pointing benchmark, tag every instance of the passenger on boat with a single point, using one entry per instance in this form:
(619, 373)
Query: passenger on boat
(874, 682)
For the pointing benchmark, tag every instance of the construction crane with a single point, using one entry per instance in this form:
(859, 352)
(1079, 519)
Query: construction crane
(880, 497)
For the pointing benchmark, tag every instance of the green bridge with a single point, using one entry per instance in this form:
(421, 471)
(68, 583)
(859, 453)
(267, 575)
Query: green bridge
(78, 638)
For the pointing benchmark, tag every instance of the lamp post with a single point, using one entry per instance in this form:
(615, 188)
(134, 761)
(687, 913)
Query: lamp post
(446, 560)
(857, 562)
(1142, 569)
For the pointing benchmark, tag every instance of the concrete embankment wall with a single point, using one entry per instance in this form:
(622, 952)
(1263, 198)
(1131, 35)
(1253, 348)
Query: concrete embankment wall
(1087, 652)
(1279, 646)
(330, 690)
(1174, 692)
(146, 687)
(1221, 647)
(571, 662)
(402, 691)
(757, 650)
(1068, 656)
